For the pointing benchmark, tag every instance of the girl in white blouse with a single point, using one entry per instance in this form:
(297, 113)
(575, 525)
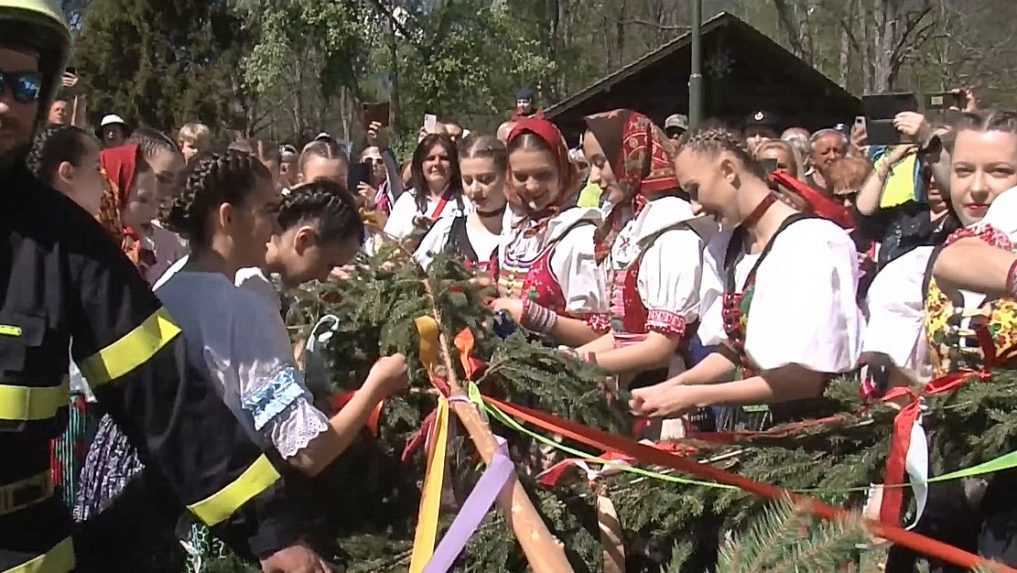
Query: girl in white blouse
(228, 211)
(789, 319)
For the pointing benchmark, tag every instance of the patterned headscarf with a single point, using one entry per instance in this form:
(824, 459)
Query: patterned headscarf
(550, 135)
(120, 169)
(642, 160)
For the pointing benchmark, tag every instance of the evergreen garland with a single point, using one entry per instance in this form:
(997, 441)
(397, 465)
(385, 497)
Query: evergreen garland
(668, 527)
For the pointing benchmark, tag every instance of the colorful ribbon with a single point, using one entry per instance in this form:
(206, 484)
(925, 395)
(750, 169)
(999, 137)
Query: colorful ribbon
(477, 504)
(430, 500)
(599, 439)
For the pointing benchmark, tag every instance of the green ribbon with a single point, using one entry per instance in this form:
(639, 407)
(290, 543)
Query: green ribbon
(1004, 462)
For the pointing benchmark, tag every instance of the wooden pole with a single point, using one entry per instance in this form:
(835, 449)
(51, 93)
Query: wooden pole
(543, 551)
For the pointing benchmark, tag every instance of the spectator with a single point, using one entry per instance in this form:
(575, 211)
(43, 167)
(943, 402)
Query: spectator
(194, 139)
(113, 131)
(375, 192)
(59, 112)
(323, 159)
(505, 129)
(675, 126)
(67, 158)
(760, 126)
(780, 151)
(437, 190)
(289, 166)
(454, 130)
(798, 137)
(270, 157)
(525, 103)
(847, 175)
(165, 163)
(825, 147)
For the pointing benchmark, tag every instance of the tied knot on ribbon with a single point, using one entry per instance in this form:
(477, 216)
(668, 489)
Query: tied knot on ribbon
(900, 456)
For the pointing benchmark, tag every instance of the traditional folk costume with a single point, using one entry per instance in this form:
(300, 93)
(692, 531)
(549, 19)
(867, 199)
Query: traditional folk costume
(455, 237)
(546, 259)
(969, 331)
(791, 303)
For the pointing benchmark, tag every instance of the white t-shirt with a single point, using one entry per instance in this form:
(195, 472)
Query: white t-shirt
(400, 221)
(241, 342)
(803, 308)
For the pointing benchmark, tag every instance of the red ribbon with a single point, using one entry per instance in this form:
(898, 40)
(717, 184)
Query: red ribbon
(893, 497)
(599, 439)
(821, 204)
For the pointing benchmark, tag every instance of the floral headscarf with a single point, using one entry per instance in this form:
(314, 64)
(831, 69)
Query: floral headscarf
(120, 169)
(641, 159)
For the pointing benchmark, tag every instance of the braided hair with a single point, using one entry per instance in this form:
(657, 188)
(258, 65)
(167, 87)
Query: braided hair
(56, 144)
(325, 203)
(212, 181)
(716, 140)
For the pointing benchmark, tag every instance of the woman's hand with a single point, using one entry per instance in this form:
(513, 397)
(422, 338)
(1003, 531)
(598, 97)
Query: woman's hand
(389, 375)
(376, 136)
(666, 400)
(513, 306)
(913, 126)
(298, 558)
(368, 194)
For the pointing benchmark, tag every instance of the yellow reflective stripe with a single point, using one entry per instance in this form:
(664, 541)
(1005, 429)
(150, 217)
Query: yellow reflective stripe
(131, 351)
(24, 403)
(9, 330)
(59, 559)
(222, 504)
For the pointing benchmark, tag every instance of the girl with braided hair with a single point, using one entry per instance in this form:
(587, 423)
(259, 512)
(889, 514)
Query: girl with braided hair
(789, 320)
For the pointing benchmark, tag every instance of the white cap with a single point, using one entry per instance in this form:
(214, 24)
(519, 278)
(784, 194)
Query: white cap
(112, 119)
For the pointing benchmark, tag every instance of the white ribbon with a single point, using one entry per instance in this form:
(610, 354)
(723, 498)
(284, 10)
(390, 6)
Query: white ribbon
(916, 463)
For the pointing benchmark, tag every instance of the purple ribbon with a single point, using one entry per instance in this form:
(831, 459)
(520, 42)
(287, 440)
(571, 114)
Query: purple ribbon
(473, 511)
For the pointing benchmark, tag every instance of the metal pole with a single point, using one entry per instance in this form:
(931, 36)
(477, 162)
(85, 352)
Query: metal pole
(696, 75)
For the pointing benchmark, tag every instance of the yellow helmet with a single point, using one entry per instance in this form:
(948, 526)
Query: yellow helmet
(39, 25)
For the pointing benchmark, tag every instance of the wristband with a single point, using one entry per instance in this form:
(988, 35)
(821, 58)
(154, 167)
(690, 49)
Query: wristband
(1011, 280)
(538, 318)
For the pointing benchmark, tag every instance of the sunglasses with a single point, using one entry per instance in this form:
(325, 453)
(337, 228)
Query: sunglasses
(26, 86)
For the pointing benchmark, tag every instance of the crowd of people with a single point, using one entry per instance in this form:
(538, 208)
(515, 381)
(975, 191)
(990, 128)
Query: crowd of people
(709, 271)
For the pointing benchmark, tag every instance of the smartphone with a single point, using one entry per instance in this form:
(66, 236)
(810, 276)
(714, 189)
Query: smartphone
(376, 112)
(769, 166)
(430, 123)
(880, 109)
(944, 101)
(71, 70)
(359, 173)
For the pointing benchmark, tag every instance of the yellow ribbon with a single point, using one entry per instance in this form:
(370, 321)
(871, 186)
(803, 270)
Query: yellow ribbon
(427, 327)
(430, 501)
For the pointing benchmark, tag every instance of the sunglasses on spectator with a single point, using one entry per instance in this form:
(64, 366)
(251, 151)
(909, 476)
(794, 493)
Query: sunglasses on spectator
(26, 86)
(369, 161)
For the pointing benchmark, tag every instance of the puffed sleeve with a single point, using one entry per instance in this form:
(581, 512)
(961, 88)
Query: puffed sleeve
(1002, 215)
(272, 390)
(896, 309)
(711, 291)
(670, 275)
(580, 277)
(803, 308)
(400, 222)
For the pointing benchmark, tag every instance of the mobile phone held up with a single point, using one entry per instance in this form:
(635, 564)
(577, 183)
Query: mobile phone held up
(880, 109)
(359, 173)
(430, 123)
(377, 113)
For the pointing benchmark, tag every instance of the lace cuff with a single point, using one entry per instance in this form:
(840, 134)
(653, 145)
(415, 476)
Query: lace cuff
(668, 323)
(292, 429)
(274, 396)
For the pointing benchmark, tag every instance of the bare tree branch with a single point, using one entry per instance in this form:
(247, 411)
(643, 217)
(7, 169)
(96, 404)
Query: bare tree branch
(784, 14)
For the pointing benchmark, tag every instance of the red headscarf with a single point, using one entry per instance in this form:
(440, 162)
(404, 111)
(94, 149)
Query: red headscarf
(550, 135)
(120, 168)
(642, 161)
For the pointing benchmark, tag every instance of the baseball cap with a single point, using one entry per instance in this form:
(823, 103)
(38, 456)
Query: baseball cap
(112, 119)
(677, 121)
(526, 93)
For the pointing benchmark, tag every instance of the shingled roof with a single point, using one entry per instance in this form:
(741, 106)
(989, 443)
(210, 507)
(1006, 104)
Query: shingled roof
(744, 71)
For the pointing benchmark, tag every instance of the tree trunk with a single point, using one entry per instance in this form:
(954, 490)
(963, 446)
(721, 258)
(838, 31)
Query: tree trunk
(865, 38)
(845, 44)
(886, 28)
(620, 30)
